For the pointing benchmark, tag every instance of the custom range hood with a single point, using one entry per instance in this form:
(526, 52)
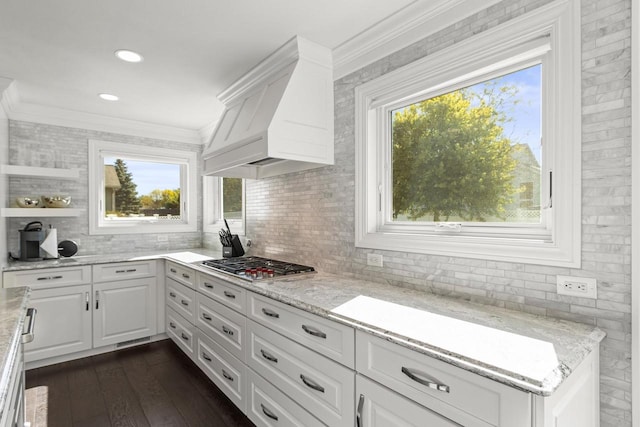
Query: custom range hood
(278, 117)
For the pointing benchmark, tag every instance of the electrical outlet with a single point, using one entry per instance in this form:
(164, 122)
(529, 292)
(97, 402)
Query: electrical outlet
(577, 286)
(163, 238)
(374, 260)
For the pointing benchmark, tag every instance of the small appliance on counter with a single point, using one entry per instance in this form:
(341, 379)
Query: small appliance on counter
(37, 244)
(31, 237)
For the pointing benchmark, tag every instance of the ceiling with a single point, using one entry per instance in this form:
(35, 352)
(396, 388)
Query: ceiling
(60, 54)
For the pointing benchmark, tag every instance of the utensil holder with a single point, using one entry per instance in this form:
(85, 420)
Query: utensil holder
(235, 249)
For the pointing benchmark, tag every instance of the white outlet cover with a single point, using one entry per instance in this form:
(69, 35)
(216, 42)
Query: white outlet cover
(374, 260)
(590, 284)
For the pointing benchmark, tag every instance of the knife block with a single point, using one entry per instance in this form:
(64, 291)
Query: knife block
(235, 249)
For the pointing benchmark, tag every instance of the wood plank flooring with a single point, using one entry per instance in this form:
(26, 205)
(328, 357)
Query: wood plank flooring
(150, 385)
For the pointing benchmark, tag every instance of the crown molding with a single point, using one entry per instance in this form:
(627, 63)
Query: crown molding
(22, 111)
(413, 23)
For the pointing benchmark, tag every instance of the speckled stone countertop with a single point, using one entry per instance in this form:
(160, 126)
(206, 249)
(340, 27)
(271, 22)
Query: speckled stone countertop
(529, 352)
(13, 309)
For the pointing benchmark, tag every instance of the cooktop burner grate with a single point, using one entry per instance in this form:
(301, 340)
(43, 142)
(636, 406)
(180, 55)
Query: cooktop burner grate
(253, 267)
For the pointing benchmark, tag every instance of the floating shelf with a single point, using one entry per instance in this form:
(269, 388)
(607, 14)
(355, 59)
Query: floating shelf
(37, 172)
(39, 212)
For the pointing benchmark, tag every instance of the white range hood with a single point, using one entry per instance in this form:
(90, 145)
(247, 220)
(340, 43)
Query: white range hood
(278, 117)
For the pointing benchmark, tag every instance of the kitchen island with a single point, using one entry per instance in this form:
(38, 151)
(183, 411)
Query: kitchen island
(13, 310)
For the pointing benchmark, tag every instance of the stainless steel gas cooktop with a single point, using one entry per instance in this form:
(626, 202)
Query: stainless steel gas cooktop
(256, 268)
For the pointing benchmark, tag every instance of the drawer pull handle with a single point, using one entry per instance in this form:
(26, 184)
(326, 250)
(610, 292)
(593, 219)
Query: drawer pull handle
(269, 356)
(313, 331)
(173, 325)
(131, 270)
(270, 313)
(205, 316)
(268, 413)
(430, 382)
(49, 277)
(227, 331)
(86, 300)
(172, 294)
(229, 295)
(173, 270)
(205, 357)
(185, 303)
(359, 413)
(311, 384)
(208, 285)
(227, 376)
(185, 275)
(184, 337)
(28, 336)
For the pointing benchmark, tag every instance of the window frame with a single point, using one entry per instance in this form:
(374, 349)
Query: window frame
(213, 219)
(549, 35)
(99, 149)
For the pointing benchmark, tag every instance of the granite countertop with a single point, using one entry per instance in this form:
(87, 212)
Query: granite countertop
(531, 353)
(13, 309)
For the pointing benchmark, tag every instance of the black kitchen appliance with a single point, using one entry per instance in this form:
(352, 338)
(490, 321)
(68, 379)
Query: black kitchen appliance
(255, 268)
(31, 237)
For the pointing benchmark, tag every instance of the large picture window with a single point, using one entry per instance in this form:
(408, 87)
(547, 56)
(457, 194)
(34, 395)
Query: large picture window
(474, 151)
(133, 190)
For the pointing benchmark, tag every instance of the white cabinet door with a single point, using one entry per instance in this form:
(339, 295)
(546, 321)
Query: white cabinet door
(63, 324)
(379, 406)
(123, 311)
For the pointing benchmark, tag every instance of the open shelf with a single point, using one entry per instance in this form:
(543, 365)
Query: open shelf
(39, 212)
(37, 172)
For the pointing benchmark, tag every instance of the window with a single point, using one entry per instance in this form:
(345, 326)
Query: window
(224, 200)
(136, 190)
(474, 151)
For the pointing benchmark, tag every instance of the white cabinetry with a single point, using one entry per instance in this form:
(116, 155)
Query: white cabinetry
(85, 307)
(64, 321)
(124, 311)
(318, 384)
(62, 298)
(379, 406)
(411, 387)
(205, 318)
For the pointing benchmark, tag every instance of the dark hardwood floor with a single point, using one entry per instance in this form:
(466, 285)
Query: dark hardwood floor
(150, 385)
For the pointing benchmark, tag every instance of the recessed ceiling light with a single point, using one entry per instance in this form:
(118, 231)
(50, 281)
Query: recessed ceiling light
(108, 97)
(129, 55)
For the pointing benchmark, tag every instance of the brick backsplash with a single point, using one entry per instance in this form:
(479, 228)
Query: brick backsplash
(309, 216)
(34, 144)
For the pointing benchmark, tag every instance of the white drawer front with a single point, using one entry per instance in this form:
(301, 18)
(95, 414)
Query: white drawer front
(48, 277)
(181, 332)
(227, 372)
(181, 299)
(329, 338)
(320, 385)
(124, 271)
(221, 324)
(464, 397)
(184, 275)
(379, 406)
(223, 292)
(268, 406)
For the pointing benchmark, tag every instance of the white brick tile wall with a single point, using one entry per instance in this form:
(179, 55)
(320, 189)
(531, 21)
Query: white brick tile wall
(308, 216)
(35, 144)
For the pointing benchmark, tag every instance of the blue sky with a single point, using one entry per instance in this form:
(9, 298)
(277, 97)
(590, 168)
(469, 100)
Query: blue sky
(526, 124)
(151, 176)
